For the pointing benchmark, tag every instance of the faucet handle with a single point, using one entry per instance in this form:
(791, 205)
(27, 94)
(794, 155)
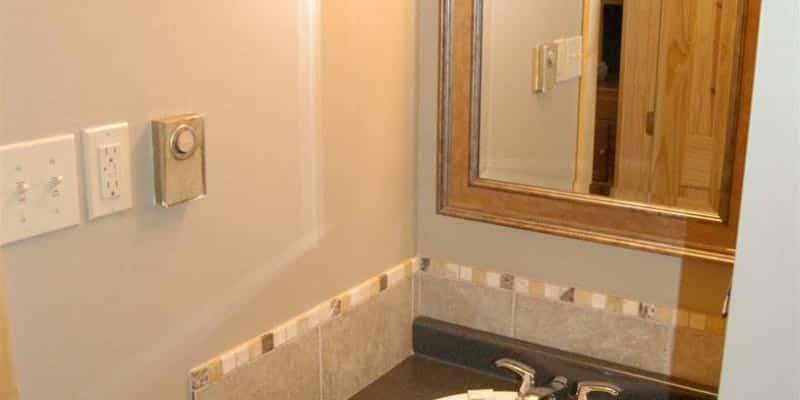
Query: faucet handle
(587, 388)
(525, 371)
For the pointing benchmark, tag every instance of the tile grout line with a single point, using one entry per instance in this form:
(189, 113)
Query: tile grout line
(321, 363)
(421, 292)
(413, 278)
(514, 300)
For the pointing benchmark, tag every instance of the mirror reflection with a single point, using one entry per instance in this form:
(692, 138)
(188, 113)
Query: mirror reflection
(629, 100)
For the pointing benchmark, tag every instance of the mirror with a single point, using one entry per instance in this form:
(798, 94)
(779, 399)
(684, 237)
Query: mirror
(635, 101)
(618, 121)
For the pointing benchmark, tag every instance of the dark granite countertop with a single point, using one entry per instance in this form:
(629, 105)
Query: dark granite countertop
(451, 359)
(422, 378)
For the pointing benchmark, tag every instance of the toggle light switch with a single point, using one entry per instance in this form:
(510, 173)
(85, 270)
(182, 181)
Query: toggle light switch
(38, 188)
(545, 67)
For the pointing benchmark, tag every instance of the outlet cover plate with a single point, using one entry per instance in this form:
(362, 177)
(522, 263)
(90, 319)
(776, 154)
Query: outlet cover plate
(95, 141)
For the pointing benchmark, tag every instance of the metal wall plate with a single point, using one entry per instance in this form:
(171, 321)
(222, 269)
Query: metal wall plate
(180, 159)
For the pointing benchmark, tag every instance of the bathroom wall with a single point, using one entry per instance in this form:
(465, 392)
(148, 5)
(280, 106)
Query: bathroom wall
(627, 273)
(310, 172)
(8, 387)
(528, 137)
(763, 346)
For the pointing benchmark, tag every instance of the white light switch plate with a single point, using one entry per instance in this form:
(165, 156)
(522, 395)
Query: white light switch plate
(570, 58)
(107, 169)
(38, 188)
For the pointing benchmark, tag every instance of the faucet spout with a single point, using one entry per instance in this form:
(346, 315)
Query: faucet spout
(557, 385)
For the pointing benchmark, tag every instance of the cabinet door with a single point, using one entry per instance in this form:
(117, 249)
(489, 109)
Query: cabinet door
(696, 68)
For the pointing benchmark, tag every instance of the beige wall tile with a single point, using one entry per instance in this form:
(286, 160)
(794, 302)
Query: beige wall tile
(288, 373)
(366, 342)
(697, 356)
(482, 308)
(625, 340)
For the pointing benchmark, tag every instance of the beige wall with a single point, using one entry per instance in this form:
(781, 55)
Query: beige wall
(306, 197)
(527, 137)
(622, 272)
(8, 388)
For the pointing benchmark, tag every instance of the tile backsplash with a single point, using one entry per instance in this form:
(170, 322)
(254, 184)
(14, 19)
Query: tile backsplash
(330, 331)
(342, 345)
(655, 338)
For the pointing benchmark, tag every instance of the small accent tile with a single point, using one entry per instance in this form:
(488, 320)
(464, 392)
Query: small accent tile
(242, 355)
(493, 280)
(452, 271)
(479, 278)
(666, 315)
(630, 308)
(215, 371)
(568, 295)
(397, 275)
(279, 335)
(410, 268)
(536, 289)
(200, 378)
(615, 304)
(599, 301)
(716, 325)
(553, 292)
(647, 311)
(228, 362)
(364, 292)
(384, 282)
(583, 298)
(465, 274)
(267, 343)
(697, 321)
(682, 318)
(425, 264)
(507, 281)
(522, 286)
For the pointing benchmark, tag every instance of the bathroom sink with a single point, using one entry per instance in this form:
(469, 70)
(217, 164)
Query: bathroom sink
(483, 395)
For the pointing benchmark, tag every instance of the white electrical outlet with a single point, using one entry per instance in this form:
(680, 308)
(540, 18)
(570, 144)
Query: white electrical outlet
(107, 169)
(108, 165)
(38, 188)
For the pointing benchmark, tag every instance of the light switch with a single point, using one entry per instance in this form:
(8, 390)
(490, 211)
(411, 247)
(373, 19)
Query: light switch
(38, 188)
(107, 169)
(570, 58)
(545, 67)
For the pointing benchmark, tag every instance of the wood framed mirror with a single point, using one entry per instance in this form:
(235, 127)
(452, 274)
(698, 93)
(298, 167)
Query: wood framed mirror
(623, 122)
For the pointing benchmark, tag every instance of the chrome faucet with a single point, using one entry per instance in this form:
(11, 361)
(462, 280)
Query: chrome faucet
(526, 372)
(587, 388)
(527, 390)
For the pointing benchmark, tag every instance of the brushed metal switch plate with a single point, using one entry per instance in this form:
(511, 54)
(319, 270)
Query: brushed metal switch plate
(180, 159)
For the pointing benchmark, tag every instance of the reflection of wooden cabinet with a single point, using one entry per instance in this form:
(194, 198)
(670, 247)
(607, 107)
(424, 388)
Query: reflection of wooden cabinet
(678, 61)
(605, 137)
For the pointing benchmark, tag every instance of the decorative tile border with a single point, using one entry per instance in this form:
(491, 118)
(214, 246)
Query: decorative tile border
(214, 370)
(713, 324)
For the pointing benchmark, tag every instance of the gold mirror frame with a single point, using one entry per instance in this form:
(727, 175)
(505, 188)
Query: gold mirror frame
(464, 194)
